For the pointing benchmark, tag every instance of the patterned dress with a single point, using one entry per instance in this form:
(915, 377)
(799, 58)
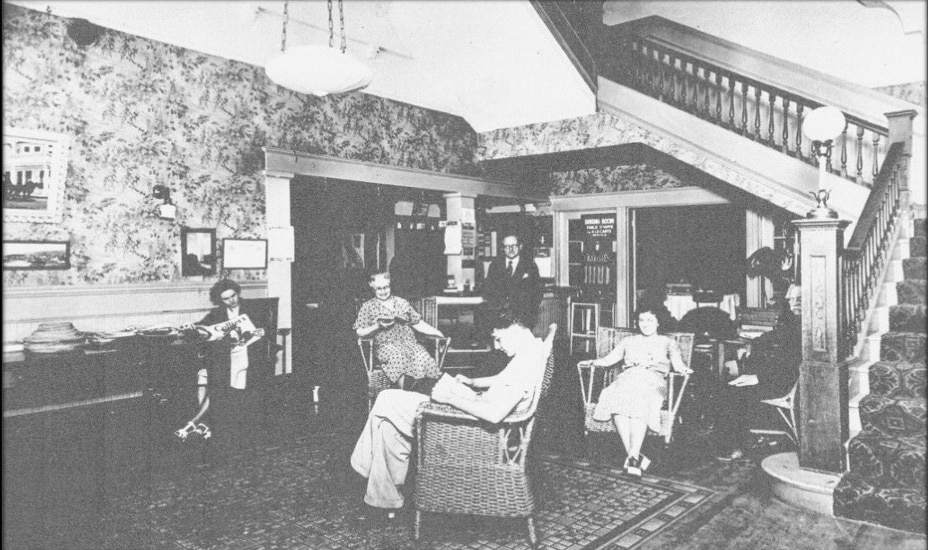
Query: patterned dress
(640, 389)
(397, 350)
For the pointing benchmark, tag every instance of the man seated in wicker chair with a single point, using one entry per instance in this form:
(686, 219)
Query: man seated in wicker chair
(382, 451)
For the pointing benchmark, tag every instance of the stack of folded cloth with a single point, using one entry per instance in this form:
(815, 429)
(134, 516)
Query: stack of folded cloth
(54, 338)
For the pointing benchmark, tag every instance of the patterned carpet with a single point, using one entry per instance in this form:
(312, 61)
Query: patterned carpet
(299, 497)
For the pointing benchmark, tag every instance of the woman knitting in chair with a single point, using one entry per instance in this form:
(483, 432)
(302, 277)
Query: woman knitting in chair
(633, 401)
(391, 320)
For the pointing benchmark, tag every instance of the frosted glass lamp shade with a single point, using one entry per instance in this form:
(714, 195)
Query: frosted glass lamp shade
(824, 124)
(318, 70)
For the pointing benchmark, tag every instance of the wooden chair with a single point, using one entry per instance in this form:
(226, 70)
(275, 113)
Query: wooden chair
(594, 379)
(467, 466)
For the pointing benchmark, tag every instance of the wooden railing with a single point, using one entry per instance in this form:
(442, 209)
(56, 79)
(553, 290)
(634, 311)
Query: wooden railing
(870, 246)
(760, 111)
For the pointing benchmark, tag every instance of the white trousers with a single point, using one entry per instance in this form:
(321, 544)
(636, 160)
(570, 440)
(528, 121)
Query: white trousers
(382, 452)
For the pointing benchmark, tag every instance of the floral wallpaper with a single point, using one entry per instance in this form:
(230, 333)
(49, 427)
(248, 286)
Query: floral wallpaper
(605, 129)
(913, 92)
(611, 180)
(141, 113)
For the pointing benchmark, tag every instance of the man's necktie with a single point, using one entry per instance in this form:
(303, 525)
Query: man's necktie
(509, 267)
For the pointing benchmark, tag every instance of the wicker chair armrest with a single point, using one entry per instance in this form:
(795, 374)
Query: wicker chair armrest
(438, 412)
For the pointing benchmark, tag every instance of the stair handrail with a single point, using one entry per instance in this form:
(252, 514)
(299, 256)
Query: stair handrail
(865, 256)
(708, 77)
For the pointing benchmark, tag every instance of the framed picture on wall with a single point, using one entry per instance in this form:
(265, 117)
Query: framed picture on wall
(244, 253)
(36, 255)
(34, 169)
(197, 251)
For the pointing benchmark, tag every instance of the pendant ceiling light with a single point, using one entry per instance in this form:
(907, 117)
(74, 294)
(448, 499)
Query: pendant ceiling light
(318, 70)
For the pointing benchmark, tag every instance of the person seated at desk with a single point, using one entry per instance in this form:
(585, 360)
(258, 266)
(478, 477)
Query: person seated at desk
(382, 452)
(768, 371)
(633, 401)
(222, 384)
(391, 320)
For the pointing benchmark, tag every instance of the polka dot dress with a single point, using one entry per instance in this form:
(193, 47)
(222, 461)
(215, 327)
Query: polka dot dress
(396, 347)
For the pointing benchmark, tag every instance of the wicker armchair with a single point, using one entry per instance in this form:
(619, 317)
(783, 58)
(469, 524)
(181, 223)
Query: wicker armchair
(594, 379)
(377, 380)
(467, 466)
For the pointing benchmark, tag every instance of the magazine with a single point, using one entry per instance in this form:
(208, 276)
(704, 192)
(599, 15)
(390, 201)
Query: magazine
(240, 330)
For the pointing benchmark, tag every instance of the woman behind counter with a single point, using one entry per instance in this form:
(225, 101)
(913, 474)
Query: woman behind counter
(391, 320)
(633, 401)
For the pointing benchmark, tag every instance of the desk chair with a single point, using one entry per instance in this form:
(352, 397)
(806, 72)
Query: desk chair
(584, 323)
(594, 379)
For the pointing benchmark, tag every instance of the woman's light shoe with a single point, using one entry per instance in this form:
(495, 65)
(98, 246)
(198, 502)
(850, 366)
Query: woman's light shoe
(643, 462)
(625, 466)
(634, 467)
(203, 430)
(185, 431)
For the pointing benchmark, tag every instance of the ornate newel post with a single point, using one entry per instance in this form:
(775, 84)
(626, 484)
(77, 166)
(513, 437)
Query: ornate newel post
(823, 375)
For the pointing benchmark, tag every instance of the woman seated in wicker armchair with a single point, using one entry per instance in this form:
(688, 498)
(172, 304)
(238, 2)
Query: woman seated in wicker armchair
(633, 401)
(391, 320)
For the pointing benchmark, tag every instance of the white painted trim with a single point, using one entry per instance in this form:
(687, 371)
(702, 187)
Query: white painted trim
(282, 160)
(680, 196)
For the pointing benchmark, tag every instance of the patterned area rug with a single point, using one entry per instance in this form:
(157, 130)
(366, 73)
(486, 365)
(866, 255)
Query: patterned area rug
(294, 498)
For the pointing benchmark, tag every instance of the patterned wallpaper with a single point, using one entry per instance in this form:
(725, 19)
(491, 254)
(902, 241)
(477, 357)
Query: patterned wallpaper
(605, 129)
(611, 180)
(913, 92)
(140, 113)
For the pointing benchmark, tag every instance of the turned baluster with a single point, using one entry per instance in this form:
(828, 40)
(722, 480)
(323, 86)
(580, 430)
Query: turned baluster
(844, 152)
(876, 163)
(691, 102)
(772, 99)
(731, 101)
(639, 68)
(706, 76)
(828, 159)
(718, 96)
(798, 128)
(661, 74)
(757, 96)
(744, 107)
(860, 153)
(673, 79)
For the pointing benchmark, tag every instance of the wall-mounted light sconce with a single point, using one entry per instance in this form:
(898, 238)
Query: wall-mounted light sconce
(166, 210)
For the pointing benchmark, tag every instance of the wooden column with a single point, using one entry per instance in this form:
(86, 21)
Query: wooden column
(823, 377)
(279, 280)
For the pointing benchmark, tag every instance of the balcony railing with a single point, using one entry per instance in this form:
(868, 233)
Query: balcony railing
(759, 111)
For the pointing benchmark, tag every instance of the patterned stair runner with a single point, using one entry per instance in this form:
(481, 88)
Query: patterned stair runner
(885, 483)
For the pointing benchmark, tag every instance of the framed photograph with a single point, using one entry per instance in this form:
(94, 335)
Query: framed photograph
(197, 251)
(34, 169)
(36, 255)
(244, 253)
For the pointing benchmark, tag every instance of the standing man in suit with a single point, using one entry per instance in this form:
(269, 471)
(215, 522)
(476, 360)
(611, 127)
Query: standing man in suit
(512, 283)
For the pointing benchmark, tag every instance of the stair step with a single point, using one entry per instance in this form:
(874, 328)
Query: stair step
(917, 247)
(897, 379)
(914, 268)
(896, 507)
(911, 291)
(919, 227)
(892, 417)
(903, 346)
(907, 318)
(888, 461)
